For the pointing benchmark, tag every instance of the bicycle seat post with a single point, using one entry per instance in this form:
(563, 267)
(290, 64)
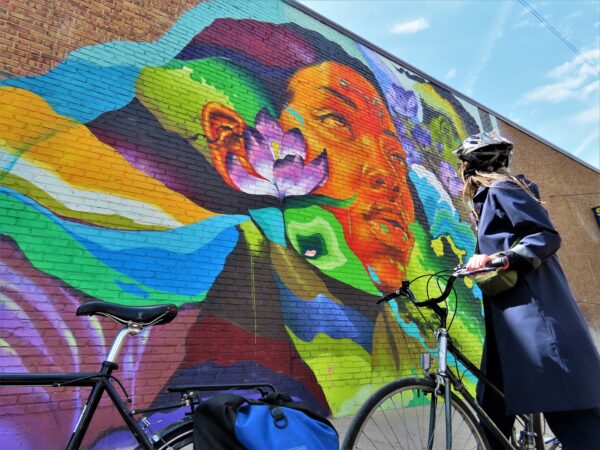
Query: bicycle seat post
(131, 329)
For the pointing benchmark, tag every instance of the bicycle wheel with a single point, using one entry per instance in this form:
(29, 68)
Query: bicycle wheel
(177, 437)
(397, 416)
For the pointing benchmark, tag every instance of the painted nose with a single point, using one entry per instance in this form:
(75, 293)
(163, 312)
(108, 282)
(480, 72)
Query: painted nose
(387, 183)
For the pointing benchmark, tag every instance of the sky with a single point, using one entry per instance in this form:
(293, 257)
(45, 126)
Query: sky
(498, 54)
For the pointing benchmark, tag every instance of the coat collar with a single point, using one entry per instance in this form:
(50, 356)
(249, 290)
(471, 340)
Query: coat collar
(480, 194)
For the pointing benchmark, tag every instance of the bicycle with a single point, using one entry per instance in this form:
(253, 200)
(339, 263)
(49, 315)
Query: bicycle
(177, 435)
(406, 413)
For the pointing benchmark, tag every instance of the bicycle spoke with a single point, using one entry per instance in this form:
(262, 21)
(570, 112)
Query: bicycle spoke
(402, 412)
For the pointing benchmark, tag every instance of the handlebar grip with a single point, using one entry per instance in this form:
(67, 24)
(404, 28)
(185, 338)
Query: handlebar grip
(498, 262)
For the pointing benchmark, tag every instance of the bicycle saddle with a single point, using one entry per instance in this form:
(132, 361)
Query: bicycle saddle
(142, 315)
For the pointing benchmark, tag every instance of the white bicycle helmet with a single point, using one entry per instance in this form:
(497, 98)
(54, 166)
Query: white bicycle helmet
(486, 152)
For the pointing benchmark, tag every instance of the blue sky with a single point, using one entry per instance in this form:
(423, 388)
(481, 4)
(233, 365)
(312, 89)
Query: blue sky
(499, 54)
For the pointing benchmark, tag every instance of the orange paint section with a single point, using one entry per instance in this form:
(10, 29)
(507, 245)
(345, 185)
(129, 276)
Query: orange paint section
(342, 113)
(70, 151)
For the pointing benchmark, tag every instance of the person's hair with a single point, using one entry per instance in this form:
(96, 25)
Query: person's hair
(480, 178)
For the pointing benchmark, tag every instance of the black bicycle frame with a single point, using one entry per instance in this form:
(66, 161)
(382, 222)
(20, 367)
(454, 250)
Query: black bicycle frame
(442, 314)
(99, 382)
(460, 387)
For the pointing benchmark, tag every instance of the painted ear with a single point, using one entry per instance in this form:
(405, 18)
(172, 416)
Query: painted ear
(223, 129)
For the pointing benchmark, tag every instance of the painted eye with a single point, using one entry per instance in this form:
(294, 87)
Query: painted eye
(333, 120)
(398, 157)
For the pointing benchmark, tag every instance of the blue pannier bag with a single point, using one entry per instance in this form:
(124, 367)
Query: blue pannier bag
(273, 422)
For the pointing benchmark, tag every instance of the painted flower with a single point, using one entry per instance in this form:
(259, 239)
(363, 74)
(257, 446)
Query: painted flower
(422, 135)
(449, 178)
(412, 155)
(402, 101)
(275, 162)
(399, 126)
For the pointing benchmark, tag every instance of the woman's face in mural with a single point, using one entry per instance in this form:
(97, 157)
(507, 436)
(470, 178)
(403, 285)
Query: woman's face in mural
(338, 110)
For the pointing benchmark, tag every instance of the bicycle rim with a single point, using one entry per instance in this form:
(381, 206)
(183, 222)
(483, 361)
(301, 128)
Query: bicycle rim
(398, 417)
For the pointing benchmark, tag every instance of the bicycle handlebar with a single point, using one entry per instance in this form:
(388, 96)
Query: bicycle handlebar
(459, 272)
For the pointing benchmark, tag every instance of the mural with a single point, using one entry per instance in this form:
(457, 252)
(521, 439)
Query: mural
(268, 175)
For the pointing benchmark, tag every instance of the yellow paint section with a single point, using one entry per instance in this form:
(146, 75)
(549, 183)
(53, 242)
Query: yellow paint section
(341, 367)
(70, 151)
(293, 271)
(438, 247)
(26, 119)
(437, 102)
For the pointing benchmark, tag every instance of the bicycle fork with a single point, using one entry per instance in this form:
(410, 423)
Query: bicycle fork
(441, 382)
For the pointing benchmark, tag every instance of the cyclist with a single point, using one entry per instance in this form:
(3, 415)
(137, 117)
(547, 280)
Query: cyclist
(538, 349)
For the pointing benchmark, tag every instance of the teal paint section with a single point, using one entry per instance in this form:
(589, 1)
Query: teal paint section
(270, 221)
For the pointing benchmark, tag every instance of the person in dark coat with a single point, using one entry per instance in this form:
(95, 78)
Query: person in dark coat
(538, 348)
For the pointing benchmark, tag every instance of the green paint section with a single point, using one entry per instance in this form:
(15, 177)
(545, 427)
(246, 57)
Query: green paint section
(342, 369)
(318, 237)
(52, 250)
(449, 129)
(192, 84)
(443, 132)
(468, 323)
(254, 238)
(318, 200)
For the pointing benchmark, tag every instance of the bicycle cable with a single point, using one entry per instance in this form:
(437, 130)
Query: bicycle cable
(122, 387)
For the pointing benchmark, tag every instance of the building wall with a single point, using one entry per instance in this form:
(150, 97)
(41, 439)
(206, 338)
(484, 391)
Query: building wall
(258, 168)
(569, 191)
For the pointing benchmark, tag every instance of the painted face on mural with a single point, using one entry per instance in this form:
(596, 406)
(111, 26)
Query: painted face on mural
(340, 111)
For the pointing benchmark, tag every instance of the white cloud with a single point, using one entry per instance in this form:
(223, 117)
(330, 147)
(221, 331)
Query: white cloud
(574, 79)
(410, 27)
(451, 74)
(577, 64)
(589, 116)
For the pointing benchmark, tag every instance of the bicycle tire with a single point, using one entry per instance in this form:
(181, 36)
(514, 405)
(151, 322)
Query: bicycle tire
(399, 411)
(176, 437)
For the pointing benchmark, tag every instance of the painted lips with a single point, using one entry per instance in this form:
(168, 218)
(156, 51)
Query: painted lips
(388, 226)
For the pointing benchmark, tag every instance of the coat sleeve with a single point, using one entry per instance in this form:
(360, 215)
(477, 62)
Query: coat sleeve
(538, 238)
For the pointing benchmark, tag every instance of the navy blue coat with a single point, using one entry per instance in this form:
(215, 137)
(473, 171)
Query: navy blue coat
(547, 358)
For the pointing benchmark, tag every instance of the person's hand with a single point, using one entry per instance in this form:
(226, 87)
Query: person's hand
(478, 262)
(481, 262)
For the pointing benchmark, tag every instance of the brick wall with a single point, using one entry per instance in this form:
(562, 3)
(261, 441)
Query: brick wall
(246, 162)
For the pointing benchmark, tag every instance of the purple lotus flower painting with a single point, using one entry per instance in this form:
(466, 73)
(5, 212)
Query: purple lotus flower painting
(276, 162)
(449, 178)
(402, 101)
